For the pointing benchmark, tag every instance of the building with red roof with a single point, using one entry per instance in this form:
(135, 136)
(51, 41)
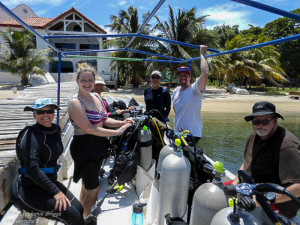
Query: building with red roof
(71, 22)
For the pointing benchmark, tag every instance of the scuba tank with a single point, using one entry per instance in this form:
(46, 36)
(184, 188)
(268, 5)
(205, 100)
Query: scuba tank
(174, 184)
(165, 151)
(145, 149)
(244, 209)
(223, 217)
(209, 198)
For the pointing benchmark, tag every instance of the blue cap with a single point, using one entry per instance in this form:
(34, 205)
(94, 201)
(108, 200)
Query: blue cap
(40, 103)
(184, 69)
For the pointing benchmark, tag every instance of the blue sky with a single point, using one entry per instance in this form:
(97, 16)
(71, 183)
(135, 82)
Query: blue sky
(220, 11)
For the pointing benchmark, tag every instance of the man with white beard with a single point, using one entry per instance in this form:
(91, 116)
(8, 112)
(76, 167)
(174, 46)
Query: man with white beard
(272, 155)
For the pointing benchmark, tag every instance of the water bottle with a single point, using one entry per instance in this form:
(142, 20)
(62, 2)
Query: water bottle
(137, 213)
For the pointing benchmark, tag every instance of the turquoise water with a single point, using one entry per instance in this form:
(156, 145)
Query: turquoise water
(225, 135)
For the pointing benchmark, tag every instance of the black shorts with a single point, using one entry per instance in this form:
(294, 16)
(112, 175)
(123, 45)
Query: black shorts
(88, 151)
(40, 202)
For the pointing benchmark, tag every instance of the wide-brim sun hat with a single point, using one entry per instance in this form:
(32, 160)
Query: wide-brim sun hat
(262, 109)
(99, 80)
(40, 103)
(183, 69)
(156, 72)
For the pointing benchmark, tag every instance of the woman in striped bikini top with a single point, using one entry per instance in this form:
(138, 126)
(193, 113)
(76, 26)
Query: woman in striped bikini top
(88, 116)
(93, 116)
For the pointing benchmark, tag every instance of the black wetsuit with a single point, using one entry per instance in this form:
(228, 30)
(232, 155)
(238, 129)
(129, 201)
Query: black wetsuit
(39, 148)
(158, 99)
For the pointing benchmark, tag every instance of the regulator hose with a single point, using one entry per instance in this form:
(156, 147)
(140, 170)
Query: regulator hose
(277, 189)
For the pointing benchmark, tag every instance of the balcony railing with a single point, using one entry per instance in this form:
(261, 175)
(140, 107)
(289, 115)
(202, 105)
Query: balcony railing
(54, 53)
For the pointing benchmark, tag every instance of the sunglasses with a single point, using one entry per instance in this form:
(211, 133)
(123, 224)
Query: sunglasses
(155, 77)
(263, 122)
(183, 69)
(41, 112)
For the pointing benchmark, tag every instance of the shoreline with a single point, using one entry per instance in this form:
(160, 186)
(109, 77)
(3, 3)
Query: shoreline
(215, 100)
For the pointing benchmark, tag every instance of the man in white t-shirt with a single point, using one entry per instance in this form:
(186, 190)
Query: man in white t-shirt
(187, 98)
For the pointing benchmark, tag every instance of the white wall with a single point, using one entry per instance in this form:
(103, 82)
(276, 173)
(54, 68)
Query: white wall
(6, 77)
(104, 64)
(65, 77)
(21, 10)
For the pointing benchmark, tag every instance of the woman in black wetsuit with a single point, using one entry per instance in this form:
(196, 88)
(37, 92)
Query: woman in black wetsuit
(157, 97)
(38, 149)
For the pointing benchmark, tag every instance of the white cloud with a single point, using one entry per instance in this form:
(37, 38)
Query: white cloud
(121, 3)
(42, 12)
(228, 14)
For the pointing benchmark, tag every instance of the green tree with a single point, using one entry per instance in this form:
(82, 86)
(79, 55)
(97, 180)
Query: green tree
(226, 33)
(252, 30)
(185, 26)
(249, 67)
(128, 22)
(289, 51)
(19, 55)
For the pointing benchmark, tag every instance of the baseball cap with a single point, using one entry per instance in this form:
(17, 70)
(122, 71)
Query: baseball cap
(99, 80)
(156, 72)
(40, 103)
(261, 109)
(183, 69)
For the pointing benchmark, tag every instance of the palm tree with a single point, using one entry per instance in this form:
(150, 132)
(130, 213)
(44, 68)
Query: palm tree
(253, 66)
(218, 68)
(128, 22)
(183, 27)
(19, 55)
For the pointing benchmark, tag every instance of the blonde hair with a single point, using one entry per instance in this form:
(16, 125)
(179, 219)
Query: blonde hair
(85, 67)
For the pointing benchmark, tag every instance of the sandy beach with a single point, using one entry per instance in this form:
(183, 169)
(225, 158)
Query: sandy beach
(215, 99)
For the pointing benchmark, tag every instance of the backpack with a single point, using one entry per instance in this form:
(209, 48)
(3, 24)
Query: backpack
(198, 160)
(126, 157)
(132, 102)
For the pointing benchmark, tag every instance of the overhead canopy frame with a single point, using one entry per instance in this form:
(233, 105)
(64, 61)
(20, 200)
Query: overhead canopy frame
(140, 35)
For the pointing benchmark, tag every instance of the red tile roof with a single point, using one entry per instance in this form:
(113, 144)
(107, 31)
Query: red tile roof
(35, 22)
(42, 23)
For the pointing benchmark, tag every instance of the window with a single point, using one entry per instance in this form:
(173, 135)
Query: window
(77, 28)
(66, 67)
(70, 17)
(89, 46)
(65, 45)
